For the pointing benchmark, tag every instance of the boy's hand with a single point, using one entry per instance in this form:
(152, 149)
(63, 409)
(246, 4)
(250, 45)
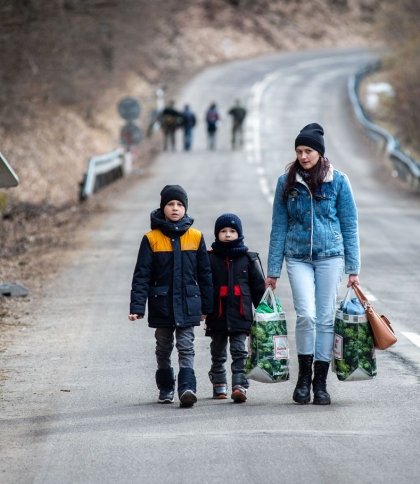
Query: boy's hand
(133, 317)
(203, 317)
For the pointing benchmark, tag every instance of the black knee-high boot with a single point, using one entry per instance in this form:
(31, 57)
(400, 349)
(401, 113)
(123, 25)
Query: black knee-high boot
(319, 383)
(302, 393)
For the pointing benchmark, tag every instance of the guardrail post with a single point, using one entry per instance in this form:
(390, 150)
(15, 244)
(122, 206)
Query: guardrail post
(102, 170)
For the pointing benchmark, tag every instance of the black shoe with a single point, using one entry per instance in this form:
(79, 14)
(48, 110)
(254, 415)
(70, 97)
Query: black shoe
(166, 396)
(238, 394)
(219, 391)
(319, 383)
(165, 381)
(302, 393)
(187, 399)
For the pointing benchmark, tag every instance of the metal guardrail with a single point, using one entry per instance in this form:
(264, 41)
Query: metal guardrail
(8, 177)
(405, 167)
(103, 170)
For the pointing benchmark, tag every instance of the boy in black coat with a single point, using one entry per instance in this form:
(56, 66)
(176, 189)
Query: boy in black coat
(238, 283)
(173, 275)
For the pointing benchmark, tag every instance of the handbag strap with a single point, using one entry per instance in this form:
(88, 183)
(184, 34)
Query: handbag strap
(359, 293)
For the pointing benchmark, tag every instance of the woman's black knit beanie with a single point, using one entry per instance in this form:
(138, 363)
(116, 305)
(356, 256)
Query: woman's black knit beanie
(312, 135)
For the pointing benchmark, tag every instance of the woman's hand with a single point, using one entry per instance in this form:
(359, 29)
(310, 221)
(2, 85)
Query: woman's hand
(353, 279)
(271, 282)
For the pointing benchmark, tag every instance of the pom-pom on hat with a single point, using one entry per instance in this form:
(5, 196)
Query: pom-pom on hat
(312, 135)
(173, 192)
(228, 220)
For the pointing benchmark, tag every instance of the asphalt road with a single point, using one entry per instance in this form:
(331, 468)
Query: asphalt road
(79, 404)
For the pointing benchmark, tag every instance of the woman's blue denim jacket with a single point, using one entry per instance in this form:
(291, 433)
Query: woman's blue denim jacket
(310, 228)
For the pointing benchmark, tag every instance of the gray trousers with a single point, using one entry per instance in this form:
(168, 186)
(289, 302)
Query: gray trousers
(184, 344)
(238, 353)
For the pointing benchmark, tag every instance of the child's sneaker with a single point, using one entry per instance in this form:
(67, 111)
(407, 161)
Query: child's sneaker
(219, 391)
(166, 396)
(238, 394)
(187, 399)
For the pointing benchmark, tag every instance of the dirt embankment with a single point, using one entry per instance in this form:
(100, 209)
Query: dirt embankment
(66, 64)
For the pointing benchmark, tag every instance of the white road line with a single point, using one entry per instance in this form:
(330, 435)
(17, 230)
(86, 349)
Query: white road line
(413, 337)
(324, 62)
(252, 137)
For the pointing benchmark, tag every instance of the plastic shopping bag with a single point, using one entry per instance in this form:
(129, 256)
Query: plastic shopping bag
(268, 356)
(354, 353)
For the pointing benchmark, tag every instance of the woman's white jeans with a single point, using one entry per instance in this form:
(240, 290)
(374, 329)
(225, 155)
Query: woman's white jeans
(314, 287)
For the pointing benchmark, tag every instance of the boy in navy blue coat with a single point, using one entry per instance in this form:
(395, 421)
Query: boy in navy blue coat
(173, 275)
(238, 283)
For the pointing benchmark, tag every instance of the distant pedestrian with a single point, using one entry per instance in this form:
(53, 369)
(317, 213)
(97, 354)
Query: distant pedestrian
(189, 122)
(315, 229)
(238, 114)
(212, 120)
(238, 283)
(170, 121)
(173, 275)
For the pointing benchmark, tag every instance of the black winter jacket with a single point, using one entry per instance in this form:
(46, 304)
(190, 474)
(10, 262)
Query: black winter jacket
(237, 284)
(173, 274)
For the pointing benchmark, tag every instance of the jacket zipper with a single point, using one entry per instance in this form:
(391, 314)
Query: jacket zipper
(312, 219)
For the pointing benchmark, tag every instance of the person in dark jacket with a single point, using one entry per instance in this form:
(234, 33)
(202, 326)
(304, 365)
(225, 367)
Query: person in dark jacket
(189, 123)
(212, 123)
(173, 275)
(238, 283)
(238, 115)
(170, 120)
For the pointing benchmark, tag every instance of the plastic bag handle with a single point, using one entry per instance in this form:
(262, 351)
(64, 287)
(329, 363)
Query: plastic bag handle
(271, 298)
(347, 297)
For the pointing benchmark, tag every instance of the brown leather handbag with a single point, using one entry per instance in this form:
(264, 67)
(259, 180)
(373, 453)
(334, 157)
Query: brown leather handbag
(383, 334)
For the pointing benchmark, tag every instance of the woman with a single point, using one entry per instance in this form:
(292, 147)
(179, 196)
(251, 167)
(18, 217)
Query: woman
(315, 228)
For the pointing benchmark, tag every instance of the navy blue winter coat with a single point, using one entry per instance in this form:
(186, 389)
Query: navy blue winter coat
(172, 274)
(238, 283)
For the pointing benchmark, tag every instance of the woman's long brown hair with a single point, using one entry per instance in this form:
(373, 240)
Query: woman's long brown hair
(315, 176)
